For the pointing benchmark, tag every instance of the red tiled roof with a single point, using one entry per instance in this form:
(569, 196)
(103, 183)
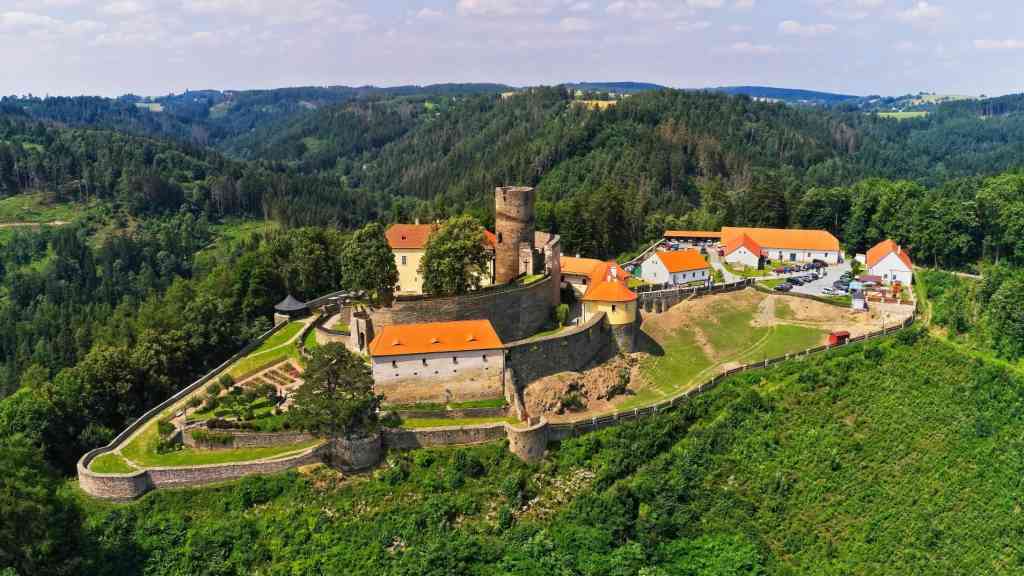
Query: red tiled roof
(415, 236)
(743, 241)
(430, 337)
(682, 261)
(691, 234)
(879, 251)
(818, 240)
(608, 284)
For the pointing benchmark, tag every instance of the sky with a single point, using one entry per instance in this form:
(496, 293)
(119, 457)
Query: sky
(155, 47)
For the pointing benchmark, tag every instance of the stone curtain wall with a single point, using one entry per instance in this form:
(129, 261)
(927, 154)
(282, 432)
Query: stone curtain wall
(574, 350)
(516, 313)
(408, 439)
(243, 439)
(658, 300)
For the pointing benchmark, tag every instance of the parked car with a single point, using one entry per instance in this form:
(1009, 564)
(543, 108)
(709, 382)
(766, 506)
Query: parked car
(839, 284)
(783, 287)
(796, 281)
(779, 270)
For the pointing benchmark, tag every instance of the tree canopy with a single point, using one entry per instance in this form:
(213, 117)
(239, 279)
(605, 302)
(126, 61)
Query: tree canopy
(336, 398)
(456, 258)
(368, 264)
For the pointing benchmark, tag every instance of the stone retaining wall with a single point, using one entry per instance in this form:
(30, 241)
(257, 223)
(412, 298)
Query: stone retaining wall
(572, 350)
(246, 439)
(407, 439)
(515, 312)
(457, 413)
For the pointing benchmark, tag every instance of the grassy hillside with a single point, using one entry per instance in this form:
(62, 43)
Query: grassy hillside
(895, 457)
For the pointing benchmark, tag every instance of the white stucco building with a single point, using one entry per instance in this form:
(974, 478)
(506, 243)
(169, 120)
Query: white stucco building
(790, 245)
(742, 250)
(681, 267)
(891, 262)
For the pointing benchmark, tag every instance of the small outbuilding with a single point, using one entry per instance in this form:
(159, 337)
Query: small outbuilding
(743, 250)
(838, 338)
(289, 309)
(681, 267)
(891, 262)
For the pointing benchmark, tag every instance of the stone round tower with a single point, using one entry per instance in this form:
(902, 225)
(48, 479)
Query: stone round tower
(513, 225)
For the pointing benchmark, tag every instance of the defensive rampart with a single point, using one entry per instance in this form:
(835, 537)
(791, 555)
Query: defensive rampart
(516, 312)
(572, 350)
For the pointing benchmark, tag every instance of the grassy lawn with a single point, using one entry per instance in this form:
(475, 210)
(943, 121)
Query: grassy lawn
(31, 207)
(771, 284)
(903, 115)
(274, 350)
(785, 339)
(530, 279)
(439, 422)
(669, 374)
(783, 311)
(111, 463)
(547, 332)
(490, 403)
(635, 282)
(310, 343)
(138, 451)
(747, 272)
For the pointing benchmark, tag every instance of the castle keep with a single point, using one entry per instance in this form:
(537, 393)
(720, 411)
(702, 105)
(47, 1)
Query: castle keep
(514, 228)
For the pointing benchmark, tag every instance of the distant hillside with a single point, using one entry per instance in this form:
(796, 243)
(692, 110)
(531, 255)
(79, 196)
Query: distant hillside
(618, 87)
(788, 95)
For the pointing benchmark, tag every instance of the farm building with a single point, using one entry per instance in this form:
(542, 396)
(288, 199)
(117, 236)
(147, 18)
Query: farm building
(409, 243)
(439, 356)
(891, 262)
(682, 267)
(743, 250)
(790, 245)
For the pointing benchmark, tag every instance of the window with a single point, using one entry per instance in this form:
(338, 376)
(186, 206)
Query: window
(499, 237)
(394, 364)
(613, 307)
(455, 359)
(424, 361)
(485, 357)
(404, 261)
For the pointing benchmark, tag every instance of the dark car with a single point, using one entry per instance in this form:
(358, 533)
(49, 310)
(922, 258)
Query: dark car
(783, 287)
(841, 285)
(819, 263)
(796, 281)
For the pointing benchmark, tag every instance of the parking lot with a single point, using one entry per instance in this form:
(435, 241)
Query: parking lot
(815, 288)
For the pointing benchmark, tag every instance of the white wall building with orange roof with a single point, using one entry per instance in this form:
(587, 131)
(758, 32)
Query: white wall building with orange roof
(890, 261)
(409, 244)
(790, 245)
(577, 272)
(680, 267)
(438, 361)
(743, 250)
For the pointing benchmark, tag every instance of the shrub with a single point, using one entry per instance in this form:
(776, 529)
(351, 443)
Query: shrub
(194, 402)
(505, 518)
(561, 314)
(226, 381)
(164, 427)
(573, 402)
(205, 437)
(214, 389)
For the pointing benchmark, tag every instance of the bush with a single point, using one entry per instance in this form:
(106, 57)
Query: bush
(194, 402)
(214, 389)
(226, 381)
(573, 402)
(212, 438)
(164, 427)
(561, 314)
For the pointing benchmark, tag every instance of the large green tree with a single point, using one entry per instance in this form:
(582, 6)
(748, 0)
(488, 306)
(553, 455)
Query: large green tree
(368, 264)
(455, 259)
(336, 398)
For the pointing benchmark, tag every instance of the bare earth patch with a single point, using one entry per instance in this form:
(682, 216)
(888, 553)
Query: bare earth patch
(545, 396)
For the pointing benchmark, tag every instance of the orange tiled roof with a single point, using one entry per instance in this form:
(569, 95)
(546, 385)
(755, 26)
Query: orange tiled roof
(429, 337)
(745, 241)
(415, 236)
(608, 284)
(691, 234)
(879, 251)
(819, 240)
(682, 261)
(579, 266)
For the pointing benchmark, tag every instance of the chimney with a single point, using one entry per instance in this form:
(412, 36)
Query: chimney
(417, 220)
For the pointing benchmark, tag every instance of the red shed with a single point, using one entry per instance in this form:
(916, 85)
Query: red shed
(838, 338)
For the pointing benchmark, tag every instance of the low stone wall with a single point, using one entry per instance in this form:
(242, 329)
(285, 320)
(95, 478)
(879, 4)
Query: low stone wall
(572, 350)
(246, 439)
(659, 301)
(357, 453)
(407, 439)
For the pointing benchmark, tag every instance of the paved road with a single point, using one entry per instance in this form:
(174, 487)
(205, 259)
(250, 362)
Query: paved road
(716, 263)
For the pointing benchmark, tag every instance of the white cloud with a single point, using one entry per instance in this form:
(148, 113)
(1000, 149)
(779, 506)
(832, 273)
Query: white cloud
(751, 48)
(428, 14)
(704, 3)
(580, 7)
(1008, 44)
(122, 8)
(693, 26)
(922, 11)
(503, 7)
(743, 4)
(16, 21)
(648, 10)
(795, 28)
(574, 24)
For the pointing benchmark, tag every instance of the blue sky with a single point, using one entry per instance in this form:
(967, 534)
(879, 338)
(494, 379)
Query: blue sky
(152, 47)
